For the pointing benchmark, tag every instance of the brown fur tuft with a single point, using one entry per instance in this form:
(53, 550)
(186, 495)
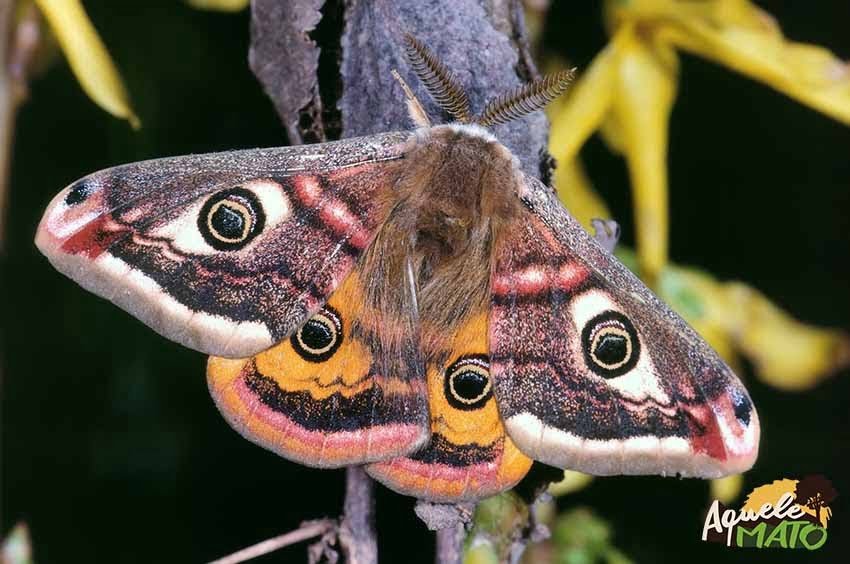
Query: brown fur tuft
(455, 192)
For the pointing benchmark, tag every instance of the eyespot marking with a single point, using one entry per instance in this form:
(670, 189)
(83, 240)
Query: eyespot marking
(610, 344)
(320, 337)
(230, 219)
(742, 406)
(467, 382)
(79, 193)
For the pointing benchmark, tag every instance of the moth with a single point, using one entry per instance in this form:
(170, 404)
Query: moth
(409, 301)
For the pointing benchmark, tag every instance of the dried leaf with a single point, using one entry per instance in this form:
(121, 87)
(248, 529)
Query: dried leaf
(88, 57)
(464, 36)
(285, 60)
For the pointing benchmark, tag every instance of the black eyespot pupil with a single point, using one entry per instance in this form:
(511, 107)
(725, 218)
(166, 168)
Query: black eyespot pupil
(79, 193)
(316, 335)
(610, 344)
(320, 337)
(611, 349)
(229, 223)
(469, 385)
(230, 219)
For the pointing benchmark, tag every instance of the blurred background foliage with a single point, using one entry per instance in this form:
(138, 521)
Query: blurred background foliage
(112, 450)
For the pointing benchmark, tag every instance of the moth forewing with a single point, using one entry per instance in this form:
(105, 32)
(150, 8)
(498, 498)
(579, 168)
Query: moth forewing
(593, 372)
(134, 234)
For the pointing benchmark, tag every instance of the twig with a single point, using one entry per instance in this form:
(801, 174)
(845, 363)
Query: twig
(307, 530)
(450, 544)
(449, 520)
(357, 536)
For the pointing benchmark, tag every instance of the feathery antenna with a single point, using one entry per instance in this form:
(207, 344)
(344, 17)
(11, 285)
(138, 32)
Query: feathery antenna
(525, 99)
(438, 80)
(414, 107)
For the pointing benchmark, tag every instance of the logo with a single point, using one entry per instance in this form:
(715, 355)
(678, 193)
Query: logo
(787, 513)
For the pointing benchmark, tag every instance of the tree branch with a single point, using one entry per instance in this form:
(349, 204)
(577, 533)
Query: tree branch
(450, 544)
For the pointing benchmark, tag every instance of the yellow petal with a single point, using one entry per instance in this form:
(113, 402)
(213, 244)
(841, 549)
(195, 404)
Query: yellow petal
(219, 5)
(612, 133)
(786, 353)
(808, 73)
(88, 56)
(727, 489)
(610, 128)
(649, 13)
(646, 88)
(573, 481)
(577, 193)
(577, 116)
(654, 12)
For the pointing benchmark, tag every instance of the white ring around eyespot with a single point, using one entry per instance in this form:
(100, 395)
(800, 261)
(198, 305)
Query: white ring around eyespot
(182, 231)
(607, 330)
(642, 380)
(244, 212)
(327, 322)
(470, 367)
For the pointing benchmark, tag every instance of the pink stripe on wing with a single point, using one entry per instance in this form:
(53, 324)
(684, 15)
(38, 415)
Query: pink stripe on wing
(537, 279)
(336, 215)
(308, 190)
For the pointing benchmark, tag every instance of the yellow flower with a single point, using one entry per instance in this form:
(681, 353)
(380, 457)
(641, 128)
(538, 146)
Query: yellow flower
(88, 57)
(219, 5)
(572, 482)
(727, 489)
(628, 90)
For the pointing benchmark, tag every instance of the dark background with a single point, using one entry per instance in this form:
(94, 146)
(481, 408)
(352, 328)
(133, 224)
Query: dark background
(111, 447)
